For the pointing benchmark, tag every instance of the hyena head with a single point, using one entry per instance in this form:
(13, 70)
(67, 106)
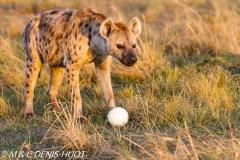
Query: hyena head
(121, 39)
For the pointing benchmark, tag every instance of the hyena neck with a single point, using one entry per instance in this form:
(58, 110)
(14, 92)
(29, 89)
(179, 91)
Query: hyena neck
(98, 45)
(91, 26)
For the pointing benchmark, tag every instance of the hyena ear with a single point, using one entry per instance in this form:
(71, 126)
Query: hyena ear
(135, 26)
(107, 27)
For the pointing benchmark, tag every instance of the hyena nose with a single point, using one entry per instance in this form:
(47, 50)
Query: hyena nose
(132, 59)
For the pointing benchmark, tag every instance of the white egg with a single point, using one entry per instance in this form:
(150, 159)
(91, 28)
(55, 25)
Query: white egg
(117, 116)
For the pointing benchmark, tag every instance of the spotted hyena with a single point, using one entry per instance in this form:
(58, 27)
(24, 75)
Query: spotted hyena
(66, 39)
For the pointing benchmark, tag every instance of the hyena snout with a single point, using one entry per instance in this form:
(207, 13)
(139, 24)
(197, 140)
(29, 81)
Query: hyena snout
(132, 59)
(129, 60)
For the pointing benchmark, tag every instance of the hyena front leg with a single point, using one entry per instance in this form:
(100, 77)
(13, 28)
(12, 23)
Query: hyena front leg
(103, 76)
(57, 74)
(34, 66)
(73, 83)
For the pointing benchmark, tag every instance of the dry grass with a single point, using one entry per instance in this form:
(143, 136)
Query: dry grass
(182, 95)
(5, 108)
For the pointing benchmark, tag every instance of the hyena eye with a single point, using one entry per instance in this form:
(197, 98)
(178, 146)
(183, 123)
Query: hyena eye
(119, 46)
(134, 46)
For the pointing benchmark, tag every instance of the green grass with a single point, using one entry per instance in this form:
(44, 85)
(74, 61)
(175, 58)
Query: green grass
(182, 96)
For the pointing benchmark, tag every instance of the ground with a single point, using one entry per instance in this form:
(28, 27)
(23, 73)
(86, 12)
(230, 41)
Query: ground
(182, 95)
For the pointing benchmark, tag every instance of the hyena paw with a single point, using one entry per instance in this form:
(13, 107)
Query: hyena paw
(28, 115)
(81, 120)
(56, 107)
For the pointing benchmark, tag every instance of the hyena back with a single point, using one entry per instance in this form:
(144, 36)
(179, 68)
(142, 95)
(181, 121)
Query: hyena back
(67, 39)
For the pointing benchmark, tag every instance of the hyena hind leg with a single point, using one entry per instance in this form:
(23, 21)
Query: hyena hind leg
(34, 66)
(57, 74)
(76, 99)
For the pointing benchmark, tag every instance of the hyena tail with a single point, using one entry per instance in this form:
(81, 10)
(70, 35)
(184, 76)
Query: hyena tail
(39, 74)
(26, 40)
(30, 46)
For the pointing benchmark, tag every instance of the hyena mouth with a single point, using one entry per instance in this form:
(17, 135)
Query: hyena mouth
(126, 64)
